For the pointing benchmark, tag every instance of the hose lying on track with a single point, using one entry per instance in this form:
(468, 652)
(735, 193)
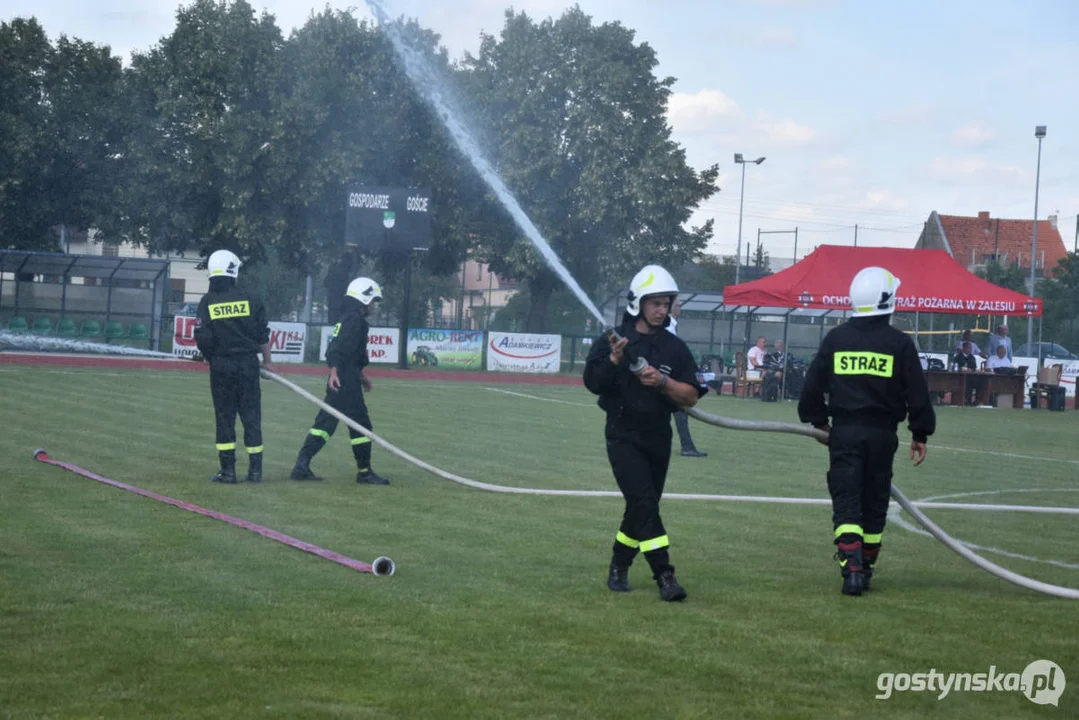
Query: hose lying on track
(718, 421)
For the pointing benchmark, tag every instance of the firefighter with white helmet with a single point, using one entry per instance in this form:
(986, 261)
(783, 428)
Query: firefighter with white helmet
(232, 331)
(642, 375)
(347, 357)
(873, 380)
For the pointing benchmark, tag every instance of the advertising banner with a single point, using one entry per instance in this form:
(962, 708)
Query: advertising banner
(524, 353)
(455, 349)
(183, 336)
(287, 342)
(383, 344)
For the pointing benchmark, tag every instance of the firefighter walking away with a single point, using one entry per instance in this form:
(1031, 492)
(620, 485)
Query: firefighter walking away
(873, 380)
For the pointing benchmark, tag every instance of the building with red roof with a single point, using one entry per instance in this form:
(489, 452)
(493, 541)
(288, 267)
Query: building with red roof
(975, 241)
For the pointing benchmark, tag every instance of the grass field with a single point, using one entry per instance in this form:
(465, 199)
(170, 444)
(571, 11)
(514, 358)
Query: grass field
(115, 606)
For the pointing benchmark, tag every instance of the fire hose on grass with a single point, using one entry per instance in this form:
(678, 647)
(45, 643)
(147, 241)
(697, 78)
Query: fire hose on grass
(710, 419)
(8, 340)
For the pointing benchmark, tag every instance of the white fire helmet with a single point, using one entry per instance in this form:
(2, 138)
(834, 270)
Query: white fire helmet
(223, 263)
(873, 292)
(651, 280)
(365, 290)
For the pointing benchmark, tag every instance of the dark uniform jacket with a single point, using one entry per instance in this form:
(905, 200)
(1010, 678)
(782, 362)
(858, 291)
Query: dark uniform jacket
(231, 322)
(964, 360)
(872, 375)
(621, 394)
(347, 350)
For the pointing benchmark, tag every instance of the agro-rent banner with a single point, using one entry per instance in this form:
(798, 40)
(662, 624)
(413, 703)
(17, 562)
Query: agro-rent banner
(457, 349)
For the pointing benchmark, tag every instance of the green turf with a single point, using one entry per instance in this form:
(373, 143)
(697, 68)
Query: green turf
(116, 606)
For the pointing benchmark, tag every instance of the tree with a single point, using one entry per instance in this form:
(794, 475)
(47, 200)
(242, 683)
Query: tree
(714, 272)
(1060, 295)
(761, 261)
(203, 102)
(350, 115)
(574, 119)
(1010, 276)
(61, 134)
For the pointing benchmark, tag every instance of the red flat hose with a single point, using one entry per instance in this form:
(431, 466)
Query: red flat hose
(380, 566)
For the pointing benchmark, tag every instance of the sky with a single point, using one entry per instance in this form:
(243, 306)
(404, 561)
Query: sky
(869, 114)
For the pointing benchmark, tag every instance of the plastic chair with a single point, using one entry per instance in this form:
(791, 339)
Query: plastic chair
(114, 329)
(745, 386)
(138, 331)
(17, 324)
(42, 326)
(91, 328)
(66, 327)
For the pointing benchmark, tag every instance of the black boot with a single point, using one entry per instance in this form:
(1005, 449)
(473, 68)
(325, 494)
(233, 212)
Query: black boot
(669, 589)
(302, 469)
(694, 452)
(849, 556)
(870, 551)
(618, 578)
(371, 477)
(254, 468)
(227, 474)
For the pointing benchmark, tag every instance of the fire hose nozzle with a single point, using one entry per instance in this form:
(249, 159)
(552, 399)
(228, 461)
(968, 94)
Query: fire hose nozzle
(637, 364)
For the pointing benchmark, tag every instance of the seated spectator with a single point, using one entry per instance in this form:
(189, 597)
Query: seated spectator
(755, 358)
(772, 374)
(964, 359)
(974, 349)
(1000, 360)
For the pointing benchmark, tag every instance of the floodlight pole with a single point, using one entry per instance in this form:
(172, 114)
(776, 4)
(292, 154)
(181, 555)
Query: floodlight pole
(741, 201)
(1039, 132)
(406, 301)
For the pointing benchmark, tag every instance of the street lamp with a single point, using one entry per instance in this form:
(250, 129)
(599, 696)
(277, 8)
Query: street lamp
(741, 161)
(1039, 132)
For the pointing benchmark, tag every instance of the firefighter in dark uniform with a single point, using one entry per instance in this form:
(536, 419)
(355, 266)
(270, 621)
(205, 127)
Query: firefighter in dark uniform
(873, 380)
(347, 357)
(231, 332)
(639, 407)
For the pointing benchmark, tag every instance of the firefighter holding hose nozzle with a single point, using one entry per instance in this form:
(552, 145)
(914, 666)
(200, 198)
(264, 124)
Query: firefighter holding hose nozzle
(642, 375)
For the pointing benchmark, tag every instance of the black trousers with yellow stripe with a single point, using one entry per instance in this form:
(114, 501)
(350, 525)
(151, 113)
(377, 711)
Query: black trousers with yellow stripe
(860, 479)
(234, 385)
(639, 459)
(349, 401)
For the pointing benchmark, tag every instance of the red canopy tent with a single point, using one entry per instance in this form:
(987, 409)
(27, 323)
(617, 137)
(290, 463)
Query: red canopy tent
(931, 282)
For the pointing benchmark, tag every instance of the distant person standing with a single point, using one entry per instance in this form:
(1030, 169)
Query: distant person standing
(968, 338)
(681, 420)
(231, 332)
(1000, 337)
